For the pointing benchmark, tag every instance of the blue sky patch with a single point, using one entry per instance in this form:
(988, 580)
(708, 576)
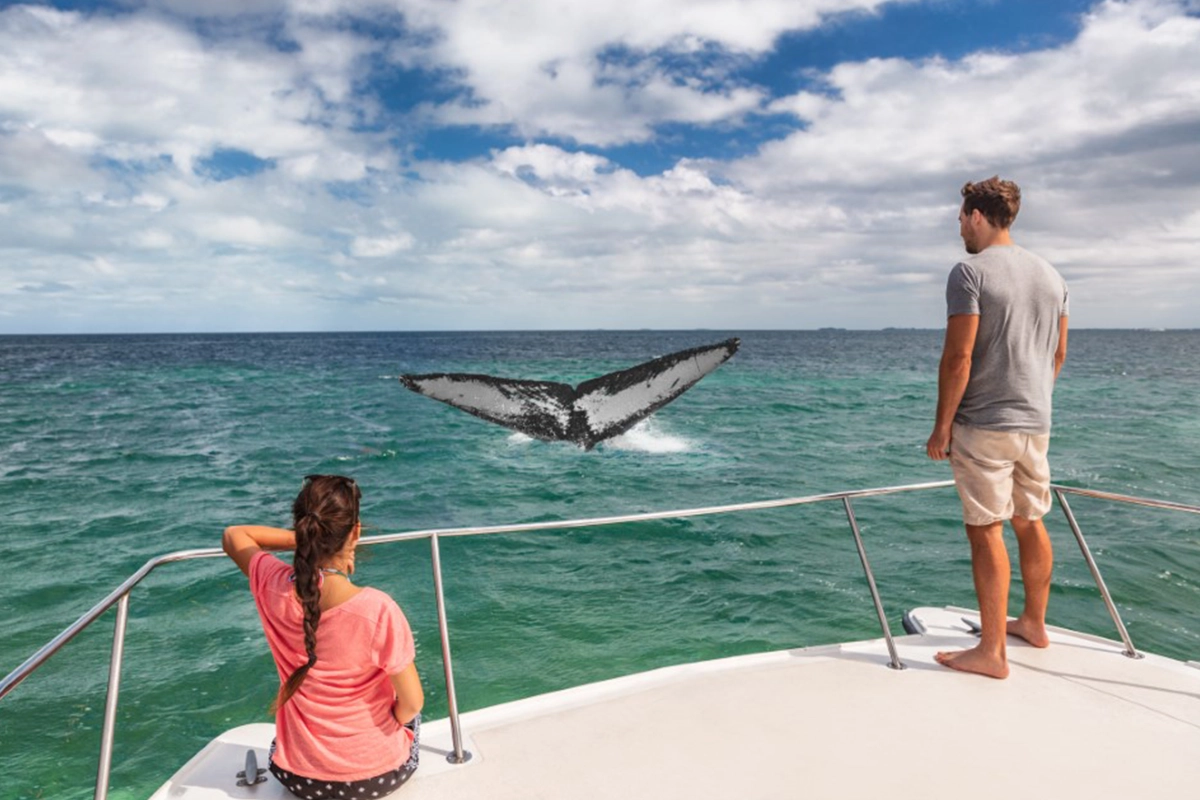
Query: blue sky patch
(227, 164)
(676, 141)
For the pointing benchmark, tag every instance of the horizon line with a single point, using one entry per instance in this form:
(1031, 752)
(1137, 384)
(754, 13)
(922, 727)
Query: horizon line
(821, 329)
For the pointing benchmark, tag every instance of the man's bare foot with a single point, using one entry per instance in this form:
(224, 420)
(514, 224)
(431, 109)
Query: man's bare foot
(1029, 630)
(974, 660)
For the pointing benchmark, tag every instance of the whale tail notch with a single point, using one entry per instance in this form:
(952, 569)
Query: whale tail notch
(595, 410)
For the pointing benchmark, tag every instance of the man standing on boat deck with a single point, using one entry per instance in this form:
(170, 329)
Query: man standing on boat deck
(1006, 340)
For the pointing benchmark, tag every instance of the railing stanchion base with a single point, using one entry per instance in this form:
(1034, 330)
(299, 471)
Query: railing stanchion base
(1130, 650)
(895, 662)
(109, 731)
(458, 755)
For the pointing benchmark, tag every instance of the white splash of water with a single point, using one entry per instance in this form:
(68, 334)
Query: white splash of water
(646, 437)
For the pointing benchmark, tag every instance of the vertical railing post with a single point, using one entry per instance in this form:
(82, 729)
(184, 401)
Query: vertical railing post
(895, 663)
(108, 732)
(459, 756)
(1130, 650)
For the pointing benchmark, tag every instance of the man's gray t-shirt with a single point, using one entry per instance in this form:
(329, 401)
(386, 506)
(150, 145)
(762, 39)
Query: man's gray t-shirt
(1019, 298)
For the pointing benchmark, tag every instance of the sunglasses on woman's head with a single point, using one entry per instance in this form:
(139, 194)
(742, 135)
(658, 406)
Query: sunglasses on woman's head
(342, 478)
(344, 481)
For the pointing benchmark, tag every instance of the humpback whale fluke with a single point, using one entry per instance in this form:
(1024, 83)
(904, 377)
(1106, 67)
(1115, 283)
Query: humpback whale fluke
(595, 410)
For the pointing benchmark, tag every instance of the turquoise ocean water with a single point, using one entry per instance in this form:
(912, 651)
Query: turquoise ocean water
(114, 449)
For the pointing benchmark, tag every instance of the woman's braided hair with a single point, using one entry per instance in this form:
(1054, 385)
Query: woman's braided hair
(324, 515)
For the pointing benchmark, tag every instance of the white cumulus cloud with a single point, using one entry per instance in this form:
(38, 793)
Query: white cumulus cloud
(245, 172)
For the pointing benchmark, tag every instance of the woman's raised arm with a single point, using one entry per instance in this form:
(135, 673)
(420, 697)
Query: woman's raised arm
(242, 542)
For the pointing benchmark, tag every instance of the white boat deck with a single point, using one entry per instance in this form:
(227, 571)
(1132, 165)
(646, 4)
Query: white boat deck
(1078, 719)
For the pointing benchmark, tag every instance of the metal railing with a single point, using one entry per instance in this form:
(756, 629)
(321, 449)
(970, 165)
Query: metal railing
(120, 595)
(1061, 493)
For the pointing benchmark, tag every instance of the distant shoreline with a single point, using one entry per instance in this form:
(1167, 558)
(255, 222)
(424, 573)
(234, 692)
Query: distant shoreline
(541, 331)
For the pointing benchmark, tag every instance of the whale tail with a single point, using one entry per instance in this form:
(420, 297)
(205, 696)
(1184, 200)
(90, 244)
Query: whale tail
(595, 410)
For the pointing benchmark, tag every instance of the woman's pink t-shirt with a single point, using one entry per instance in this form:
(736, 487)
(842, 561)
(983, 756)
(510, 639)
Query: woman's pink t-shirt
(339, 724)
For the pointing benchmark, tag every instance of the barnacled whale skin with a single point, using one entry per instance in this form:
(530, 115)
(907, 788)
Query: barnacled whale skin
(595, 410)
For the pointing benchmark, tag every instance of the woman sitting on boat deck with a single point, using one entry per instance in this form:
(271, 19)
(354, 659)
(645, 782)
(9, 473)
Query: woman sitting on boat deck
(348, 710)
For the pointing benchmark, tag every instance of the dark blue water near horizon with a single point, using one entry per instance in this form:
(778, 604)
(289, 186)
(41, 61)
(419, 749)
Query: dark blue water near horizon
(116, 448)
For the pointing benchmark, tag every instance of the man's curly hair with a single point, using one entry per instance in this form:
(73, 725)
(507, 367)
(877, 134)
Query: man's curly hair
(998, 201)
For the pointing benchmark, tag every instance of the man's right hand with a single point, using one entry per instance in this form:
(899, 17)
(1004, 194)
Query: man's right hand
(938, 446)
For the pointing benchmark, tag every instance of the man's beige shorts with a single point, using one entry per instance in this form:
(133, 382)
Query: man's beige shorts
(1000, 474)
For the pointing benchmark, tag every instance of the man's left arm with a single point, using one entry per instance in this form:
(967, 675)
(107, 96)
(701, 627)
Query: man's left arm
(1060, 352)
(954, 372)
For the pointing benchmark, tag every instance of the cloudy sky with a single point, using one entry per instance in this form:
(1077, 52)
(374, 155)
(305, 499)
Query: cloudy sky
(258, 165)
